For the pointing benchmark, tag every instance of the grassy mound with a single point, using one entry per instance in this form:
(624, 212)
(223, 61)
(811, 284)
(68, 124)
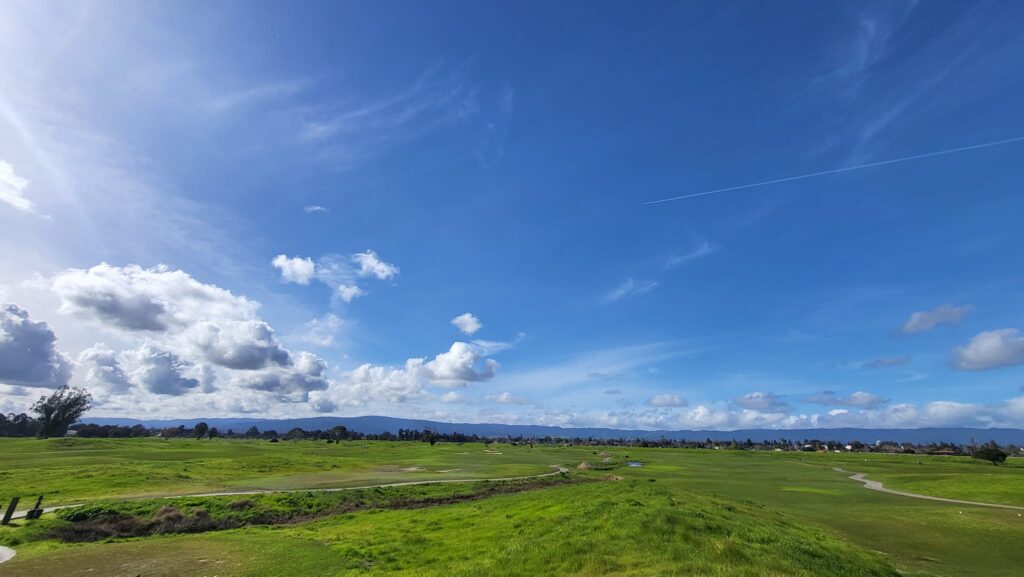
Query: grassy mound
(630, 527)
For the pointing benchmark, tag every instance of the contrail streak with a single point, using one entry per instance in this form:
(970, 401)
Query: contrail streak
(838, 170)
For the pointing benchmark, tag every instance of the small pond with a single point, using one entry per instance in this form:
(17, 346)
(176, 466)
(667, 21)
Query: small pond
(634, 463)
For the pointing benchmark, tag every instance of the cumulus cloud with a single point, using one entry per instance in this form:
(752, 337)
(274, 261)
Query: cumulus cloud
(189, 332)
(342, 274)
(28, 351)
(856, 399)
(371, 265)
(348, 292)
(12, 188)
(886, 362)
(314, 208)
(946, 314)
(133, 298)
(297, 270)
(293, 383)
(666, 400)
(103, 370)
(990, 350)
(460, 365)
(247, 345)
(629, 288)
(161, 372)
(467, 323)
(762, 401)
(368, 384)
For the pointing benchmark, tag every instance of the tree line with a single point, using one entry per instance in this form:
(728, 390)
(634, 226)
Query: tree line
(57, 413)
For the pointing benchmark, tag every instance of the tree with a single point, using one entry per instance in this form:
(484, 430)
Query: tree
(252, 432)
(60, 410)
(213, 433)
(990, 453)
(200, 429)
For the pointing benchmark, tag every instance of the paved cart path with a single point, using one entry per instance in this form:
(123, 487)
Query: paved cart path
(878, 486)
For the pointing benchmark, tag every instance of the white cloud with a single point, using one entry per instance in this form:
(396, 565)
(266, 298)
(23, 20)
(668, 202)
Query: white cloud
(293, 383)
(133, 298)
(703, 249)
(247, 345)
(762, 401)
(321, 331)
(369, 384)
(371, 265)
(460, 365)
(629, 288)
(349, 292)
(345, 138)
(28, 351)
(856, 399)
(12, 188)
(666, 400)
(453, 397)
(189, 333)
(161, 372)
(946, 314)
(990, 350)
(297, 270)
(103, 371)
(314, 208)
(507, 398)
(467, 323)
(342, 274)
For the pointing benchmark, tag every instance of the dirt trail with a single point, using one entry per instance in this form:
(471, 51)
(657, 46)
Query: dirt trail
(877, 486)
(7, 553)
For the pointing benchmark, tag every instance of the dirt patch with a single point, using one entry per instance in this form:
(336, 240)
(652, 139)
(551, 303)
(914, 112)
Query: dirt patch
(412, 469)
(448, 470)
(584, 466)
(490, 452)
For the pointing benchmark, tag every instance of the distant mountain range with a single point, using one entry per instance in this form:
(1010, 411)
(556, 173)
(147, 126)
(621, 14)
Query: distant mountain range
(375, 425)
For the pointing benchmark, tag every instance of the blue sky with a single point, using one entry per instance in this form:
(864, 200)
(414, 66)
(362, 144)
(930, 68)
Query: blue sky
(279, 210)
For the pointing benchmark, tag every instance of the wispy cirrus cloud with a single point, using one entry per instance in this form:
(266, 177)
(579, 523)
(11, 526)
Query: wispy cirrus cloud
(947, 314)
(347, 134)
(702, 249)
(886, 362)
(630, 288)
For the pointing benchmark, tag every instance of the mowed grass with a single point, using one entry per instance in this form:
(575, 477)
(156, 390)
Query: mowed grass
(77, 470)
(950, 477)
(918, 536)
(631, 527)
(627, 527)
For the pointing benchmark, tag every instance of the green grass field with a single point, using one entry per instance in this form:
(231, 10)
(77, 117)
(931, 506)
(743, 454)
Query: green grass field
(684, 512)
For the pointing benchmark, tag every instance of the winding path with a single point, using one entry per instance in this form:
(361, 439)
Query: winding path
(6, 553)
(878, 486)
